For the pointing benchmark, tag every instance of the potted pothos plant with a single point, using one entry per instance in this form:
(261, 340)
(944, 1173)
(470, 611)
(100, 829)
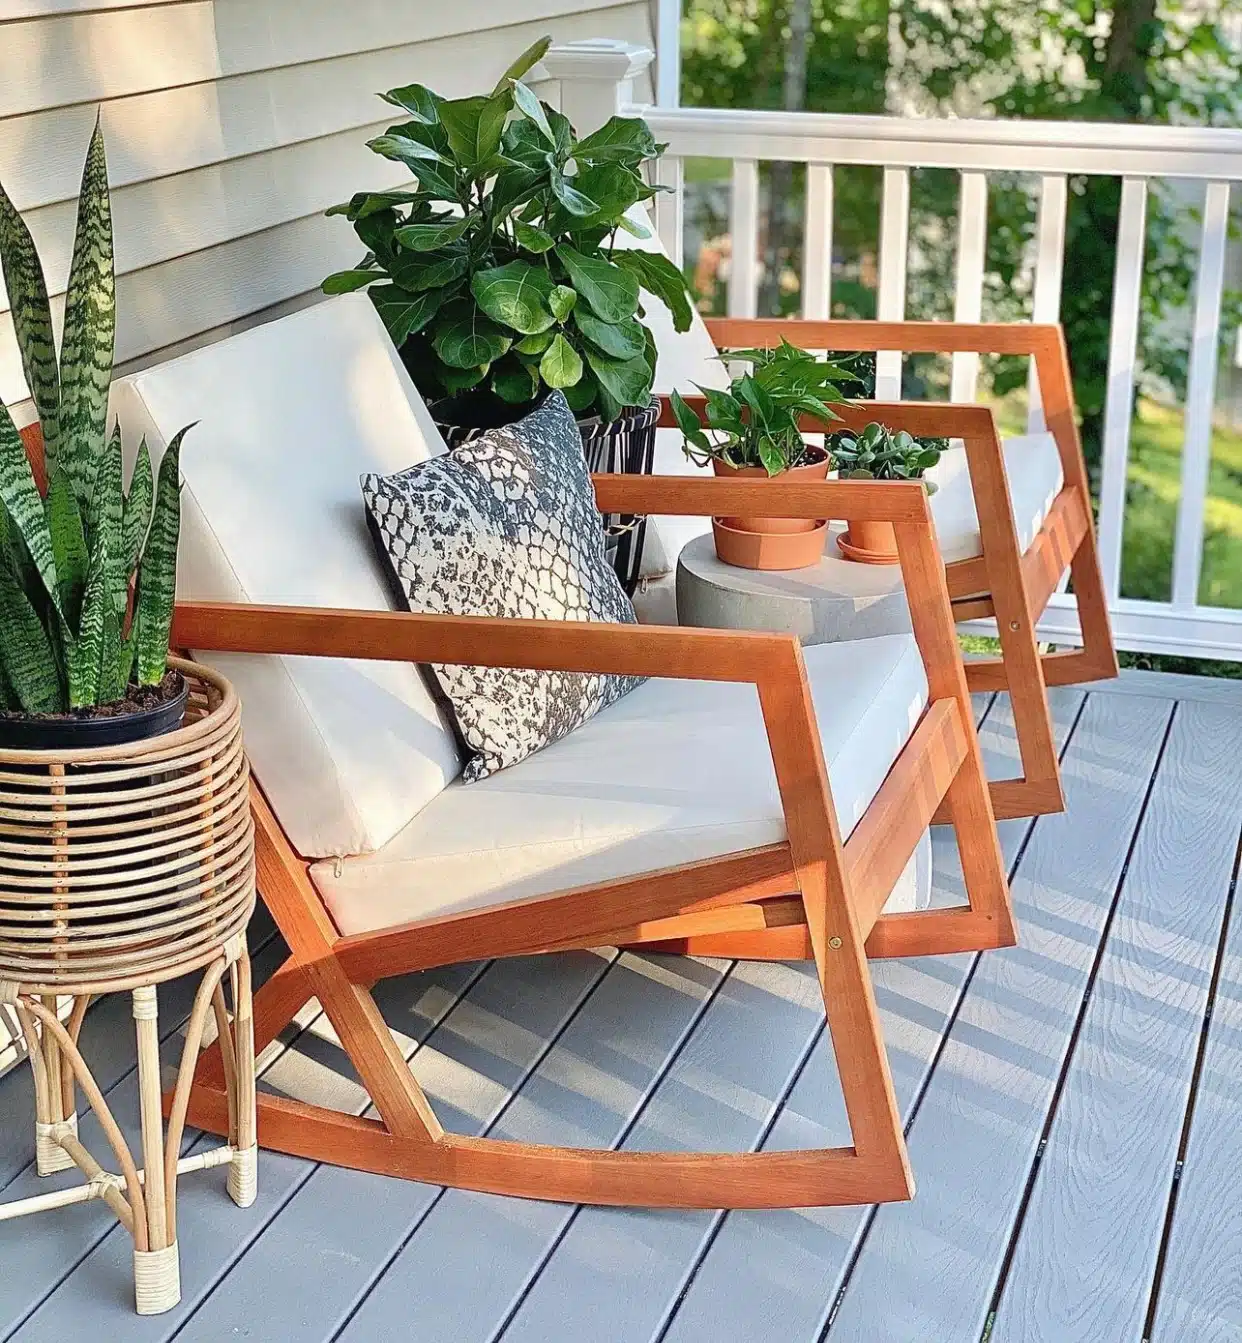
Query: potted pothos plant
(755, 429)
(88, 572)
(498, 273)
(879, 453)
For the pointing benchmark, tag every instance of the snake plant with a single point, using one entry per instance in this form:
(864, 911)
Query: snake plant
(88, 571)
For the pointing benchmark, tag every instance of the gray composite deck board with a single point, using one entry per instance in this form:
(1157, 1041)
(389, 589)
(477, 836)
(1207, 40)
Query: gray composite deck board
(1112, 1148)
(1090, 1035)
(928, 1267)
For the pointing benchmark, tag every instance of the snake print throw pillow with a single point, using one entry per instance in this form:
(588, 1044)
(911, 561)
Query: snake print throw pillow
(505, 525)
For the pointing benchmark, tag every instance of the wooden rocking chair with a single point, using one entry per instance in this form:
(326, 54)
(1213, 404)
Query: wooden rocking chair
(1009, 529)
(901, 705)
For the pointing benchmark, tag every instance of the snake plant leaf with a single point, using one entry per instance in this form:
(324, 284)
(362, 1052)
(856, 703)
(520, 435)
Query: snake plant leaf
(90, 329)
(26, 651)
(8, 696)
(113, 679)
(157, 579)
(136, 520)
(32, 319)
(106, 517)
(64, 524)
(86, 650)
(20, 496)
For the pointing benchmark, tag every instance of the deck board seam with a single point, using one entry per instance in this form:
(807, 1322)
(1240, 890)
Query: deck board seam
(657, 1080)
(553, 1039)
(950, 1020)
(1222, 945)
(720, 1217)
(1071, 1045)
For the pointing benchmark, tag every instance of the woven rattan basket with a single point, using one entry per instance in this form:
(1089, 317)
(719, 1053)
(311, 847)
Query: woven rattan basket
(127, 865)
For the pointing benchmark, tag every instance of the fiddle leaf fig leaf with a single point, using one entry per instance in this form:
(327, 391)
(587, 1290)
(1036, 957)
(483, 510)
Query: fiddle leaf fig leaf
(346, 281)
(465, 337)
(404, 313)
(562, 301)
(516, 295)
(620, 340)
(530, 106)
(609, 290)
(427, 237)
(561, 365)
(524, 63)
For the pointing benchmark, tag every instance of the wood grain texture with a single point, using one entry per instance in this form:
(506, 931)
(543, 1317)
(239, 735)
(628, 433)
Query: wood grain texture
(1113, 1144)
(985, 1106)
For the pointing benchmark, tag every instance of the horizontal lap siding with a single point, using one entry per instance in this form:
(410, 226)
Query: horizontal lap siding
(231, 127)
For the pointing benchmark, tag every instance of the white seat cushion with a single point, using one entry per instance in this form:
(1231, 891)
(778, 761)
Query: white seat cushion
(685, 361)
(289, 416)
(1035, 479)
(676, 771)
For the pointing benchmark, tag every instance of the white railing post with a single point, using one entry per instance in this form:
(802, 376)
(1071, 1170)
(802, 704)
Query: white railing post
(1200, 397)
(891, 298)
(744, 239)
(972, 243)
(1049, 269)
(592, 80)
(817, 243)
(1119, 395)
(668, 53)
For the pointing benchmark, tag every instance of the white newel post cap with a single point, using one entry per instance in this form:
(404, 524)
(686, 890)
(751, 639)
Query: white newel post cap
(595, 78)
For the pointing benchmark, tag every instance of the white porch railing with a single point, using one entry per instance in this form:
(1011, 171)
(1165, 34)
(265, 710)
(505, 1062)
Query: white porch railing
(1054, 151)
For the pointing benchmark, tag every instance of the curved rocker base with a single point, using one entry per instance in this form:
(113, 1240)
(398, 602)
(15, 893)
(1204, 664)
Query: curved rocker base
(821, 1177)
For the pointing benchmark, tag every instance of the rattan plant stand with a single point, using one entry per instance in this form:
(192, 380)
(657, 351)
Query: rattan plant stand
(121, 868)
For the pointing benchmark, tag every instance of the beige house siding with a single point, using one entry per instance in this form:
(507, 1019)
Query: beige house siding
(232, 125)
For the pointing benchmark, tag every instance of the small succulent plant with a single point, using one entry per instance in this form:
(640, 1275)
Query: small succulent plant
(87, 573)
(877, 453)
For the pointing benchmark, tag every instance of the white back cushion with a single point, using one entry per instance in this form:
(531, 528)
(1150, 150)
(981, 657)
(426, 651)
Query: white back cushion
(289, 416)
(687, 360)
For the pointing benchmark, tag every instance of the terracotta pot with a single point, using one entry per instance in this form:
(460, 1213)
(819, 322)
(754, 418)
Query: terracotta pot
(768, 550)
(869, 543)
(773, 526)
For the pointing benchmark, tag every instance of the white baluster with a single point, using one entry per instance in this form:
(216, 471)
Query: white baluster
(1049, 267)
(891, 300)
(744, 232)
(1119, 399)
(1200, 397)
(972, 237)
(670, 206)
(817, 247)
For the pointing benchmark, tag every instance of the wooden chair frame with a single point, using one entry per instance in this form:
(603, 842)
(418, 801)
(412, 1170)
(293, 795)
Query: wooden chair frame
(1004, 583)
(812, 896)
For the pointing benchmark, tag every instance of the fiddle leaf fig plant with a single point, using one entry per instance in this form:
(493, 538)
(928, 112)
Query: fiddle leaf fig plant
(498, 275)
(87, 572)
(877, 453)
(757, 422)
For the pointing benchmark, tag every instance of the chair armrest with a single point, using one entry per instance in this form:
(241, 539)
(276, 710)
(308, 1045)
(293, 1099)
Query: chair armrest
(924, 419)
(482, 641)
(908, 337)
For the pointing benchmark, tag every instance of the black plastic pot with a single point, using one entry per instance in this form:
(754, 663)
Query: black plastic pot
(627, 445)
(72, 734)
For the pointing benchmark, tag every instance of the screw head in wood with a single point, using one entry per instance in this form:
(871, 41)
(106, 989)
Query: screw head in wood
(835, 943)
(1014, 625)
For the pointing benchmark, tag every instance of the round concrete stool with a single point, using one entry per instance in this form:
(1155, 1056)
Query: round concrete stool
(833, 601)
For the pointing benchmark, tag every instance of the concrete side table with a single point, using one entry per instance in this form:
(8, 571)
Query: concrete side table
(833, 601)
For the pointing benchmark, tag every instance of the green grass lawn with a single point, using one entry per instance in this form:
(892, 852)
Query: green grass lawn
(1151, 510)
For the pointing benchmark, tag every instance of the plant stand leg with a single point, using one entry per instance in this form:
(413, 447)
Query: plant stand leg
(243, 1178)
(53, 1116)
(157, 1270)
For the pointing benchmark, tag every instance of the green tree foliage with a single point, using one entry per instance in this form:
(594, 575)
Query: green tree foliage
(1129, 60)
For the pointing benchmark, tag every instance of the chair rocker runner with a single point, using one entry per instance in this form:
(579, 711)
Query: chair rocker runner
(739, 903)
(1009, 530)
